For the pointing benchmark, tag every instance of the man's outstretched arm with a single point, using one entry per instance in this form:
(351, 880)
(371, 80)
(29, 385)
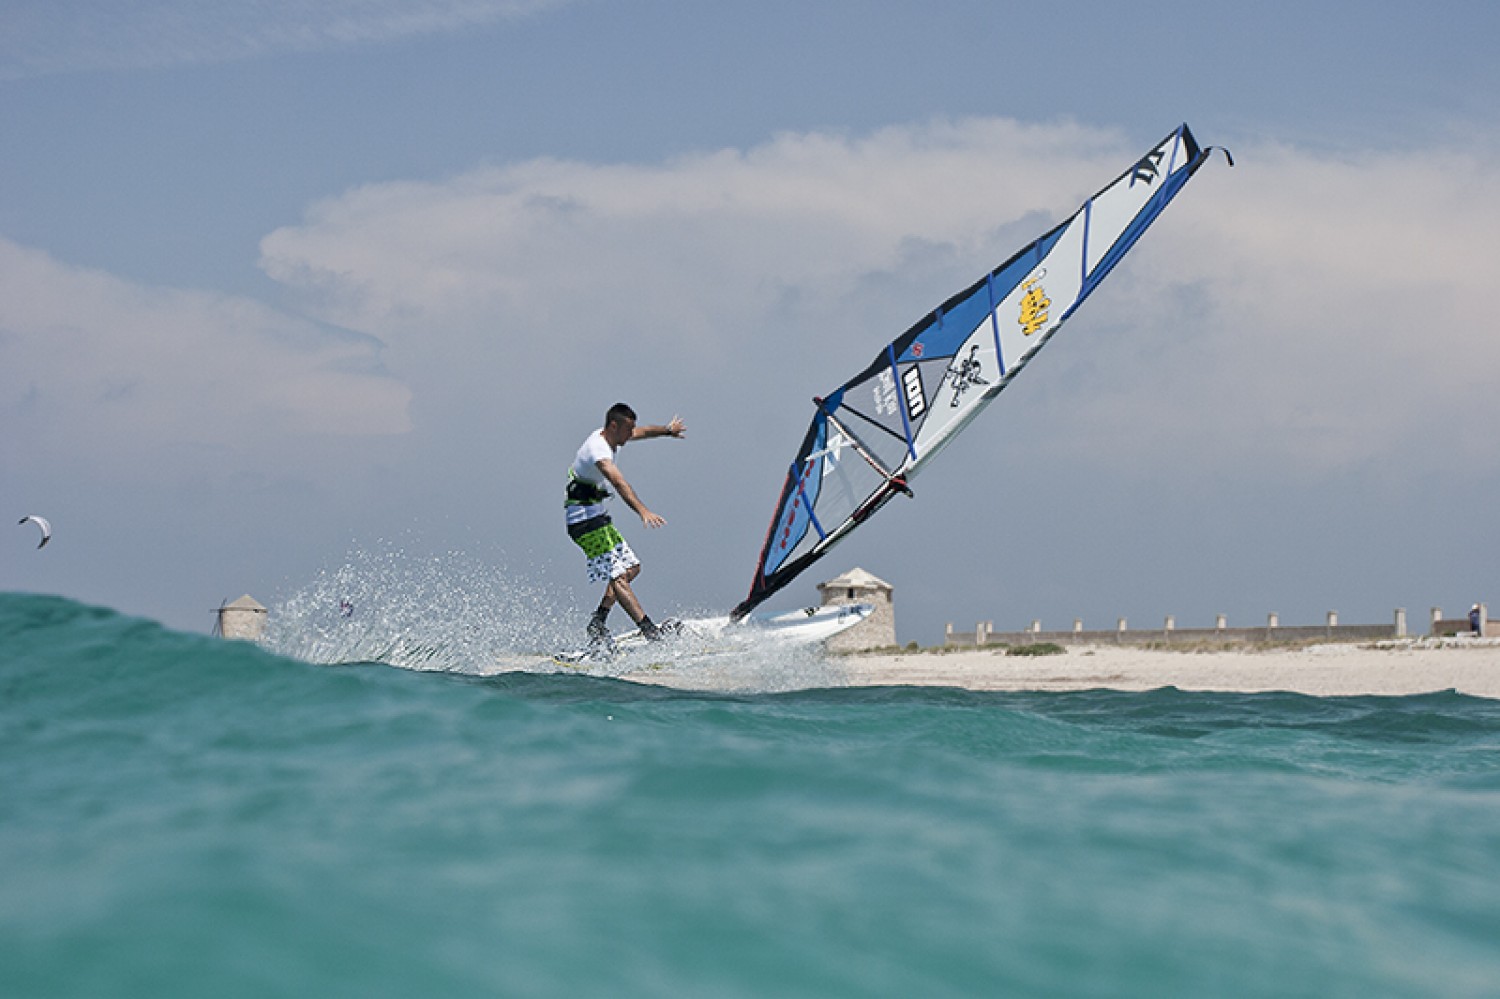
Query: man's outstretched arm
(674, 429)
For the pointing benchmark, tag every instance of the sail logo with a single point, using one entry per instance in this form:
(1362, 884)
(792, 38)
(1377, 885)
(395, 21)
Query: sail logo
(833, 453)
(964, 375)
(1035, 306)
(916, 399)
(885, 394)
(1148, 169)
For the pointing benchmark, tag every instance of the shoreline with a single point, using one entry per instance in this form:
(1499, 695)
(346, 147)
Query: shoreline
(1392, 667)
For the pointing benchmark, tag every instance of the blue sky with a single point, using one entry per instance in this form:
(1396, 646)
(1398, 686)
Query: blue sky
(292, 280)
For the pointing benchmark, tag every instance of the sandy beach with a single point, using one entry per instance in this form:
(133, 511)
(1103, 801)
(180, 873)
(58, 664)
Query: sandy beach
(1469, 666)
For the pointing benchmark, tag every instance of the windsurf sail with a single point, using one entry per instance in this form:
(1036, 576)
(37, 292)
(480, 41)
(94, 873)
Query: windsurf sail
(872, 434)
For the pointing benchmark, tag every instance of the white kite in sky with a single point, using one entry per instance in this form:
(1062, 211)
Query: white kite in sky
(40, 522)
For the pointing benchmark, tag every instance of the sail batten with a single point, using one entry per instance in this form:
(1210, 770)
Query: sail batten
(924, 387)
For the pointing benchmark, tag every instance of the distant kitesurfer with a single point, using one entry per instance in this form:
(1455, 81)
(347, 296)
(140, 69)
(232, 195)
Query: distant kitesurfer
(610, 559)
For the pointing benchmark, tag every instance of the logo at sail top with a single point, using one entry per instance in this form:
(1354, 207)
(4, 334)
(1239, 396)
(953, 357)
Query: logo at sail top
(1149, 168)
(1034, 305)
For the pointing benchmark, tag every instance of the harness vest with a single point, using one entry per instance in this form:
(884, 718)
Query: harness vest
(581, 492)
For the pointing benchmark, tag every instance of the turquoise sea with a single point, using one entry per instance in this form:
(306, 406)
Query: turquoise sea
(184, 816)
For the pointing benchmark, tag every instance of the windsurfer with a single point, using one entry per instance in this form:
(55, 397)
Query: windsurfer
(610, 559)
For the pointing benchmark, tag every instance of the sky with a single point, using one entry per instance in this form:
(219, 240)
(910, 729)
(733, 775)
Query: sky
(284, 283)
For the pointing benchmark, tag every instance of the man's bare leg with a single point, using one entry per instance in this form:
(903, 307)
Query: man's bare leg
(619, 591)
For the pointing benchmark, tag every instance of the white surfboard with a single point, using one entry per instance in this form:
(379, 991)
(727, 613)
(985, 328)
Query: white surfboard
(717, 636)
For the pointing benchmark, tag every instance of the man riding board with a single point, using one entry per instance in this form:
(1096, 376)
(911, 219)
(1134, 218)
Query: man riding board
(610, 559)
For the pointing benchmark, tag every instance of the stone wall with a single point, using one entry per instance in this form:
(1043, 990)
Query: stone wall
(984, 634)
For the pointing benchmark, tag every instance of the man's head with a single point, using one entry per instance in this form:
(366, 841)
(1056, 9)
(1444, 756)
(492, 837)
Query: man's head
(619, 424)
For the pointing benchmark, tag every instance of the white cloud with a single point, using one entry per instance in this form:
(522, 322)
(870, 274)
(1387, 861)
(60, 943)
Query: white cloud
(669, 253)
(1299, 308)
(1330, 310)
(42, 36)
(97, 364)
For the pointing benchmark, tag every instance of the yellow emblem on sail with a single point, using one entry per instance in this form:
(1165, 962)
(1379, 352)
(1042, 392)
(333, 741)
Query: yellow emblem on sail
(1034, 306)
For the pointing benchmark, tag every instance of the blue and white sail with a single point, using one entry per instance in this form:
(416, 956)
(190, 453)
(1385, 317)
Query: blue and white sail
(869, 436)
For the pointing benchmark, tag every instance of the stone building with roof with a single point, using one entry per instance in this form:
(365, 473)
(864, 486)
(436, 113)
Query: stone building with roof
(244, 618)
(878, 631)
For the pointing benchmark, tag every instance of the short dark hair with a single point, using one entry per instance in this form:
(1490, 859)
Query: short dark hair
(619, 412)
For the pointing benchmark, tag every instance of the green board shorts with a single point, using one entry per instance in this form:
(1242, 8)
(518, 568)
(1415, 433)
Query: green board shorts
(608, 553)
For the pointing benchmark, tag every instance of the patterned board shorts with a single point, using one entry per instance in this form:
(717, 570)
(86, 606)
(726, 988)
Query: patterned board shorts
(608, 553)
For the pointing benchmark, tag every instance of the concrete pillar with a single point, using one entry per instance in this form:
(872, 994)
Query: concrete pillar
(245, 619)
(981, 635)
(1122, 625)
(1437, 615)
(1078, 626)
(1273, 620)
(1221, 622)
(1170, 624)
(1036, 627)
(1333, 622)
(1400, 622)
